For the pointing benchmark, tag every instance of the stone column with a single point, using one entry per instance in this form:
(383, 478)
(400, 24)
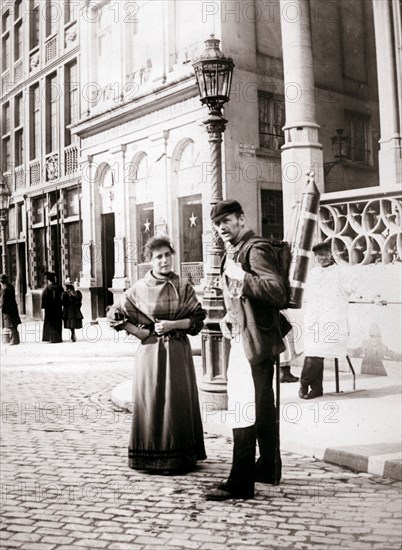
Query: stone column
(120, 279)
(302, 150)
(388, 59)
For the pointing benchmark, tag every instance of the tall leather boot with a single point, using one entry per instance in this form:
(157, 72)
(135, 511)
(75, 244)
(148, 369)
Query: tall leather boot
(269, 465)
(240, 483)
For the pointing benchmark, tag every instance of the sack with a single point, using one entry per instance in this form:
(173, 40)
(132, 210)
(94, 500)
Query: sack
(262, 342)
(283, 255)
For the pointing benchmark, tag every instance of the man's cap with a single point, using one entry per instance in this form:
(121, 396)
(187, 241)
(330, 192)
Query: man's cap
(3, 278)
(322, 247)
(223, 208)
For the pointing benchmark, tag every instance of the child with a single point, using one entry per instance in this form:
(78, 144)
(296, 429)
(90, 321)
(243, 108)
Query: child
(72, 300)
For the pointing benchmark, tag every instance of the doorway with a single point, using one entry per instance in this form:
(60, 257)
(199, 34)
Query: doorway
(108, 234)
(22, 277)
(191, 252)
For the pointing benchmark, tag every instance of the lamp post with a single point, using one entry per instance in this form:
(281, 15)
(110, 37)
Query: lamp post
(339, 148)
(213, 72)
(4, 206)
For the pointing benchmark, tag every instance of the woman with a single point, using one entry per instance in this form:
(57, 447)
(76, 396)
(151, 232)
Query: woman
(72, 300)
(53, 306)
(161, 310)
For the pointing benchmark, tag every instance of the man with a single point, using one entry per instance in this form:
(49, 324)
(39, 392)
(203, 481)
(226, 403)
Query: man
(325, 321)
(253, 292)
(9, 309)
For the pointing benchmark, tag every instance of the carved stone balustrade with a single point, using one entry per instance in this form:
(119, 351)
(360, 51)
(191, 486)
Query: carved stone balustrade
(364, 231)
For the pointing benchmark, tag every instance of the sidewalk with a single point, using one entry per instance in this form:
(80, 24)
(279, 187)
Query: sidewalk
(93, 340)
(358, 429)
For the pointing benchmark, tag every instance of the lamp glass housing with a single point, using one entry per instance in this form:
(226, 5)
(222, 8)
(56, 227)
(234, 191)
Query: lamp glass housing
(213, 72)
(339, 144)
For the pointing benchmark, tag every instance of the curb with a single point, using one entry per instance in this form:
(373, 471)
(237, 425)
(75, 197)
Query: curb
(382, 459)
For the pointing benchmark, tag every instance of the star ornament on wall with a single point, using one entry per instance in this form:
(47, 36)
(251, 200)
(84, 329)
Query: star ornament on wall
(147, 225)
(192, 220)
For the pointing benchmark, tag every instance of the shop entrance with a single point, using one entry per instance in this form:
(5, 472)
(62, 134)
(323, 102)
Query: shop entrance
(108, 234)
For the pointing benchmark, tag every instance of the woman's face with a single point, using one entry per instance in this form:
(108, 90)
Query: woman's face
(162, 261)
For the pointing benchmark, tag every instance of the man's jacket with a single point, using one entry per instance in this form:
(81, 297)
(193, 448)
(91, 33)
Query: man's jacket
(263, 295)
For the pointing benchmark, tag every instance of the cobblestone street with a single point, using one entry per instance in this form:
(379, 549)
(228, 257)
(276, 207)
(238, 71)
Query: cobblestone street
(65, 482)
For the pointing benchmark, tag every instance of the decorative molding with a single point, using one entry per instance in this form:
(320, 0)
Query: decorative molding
(52, 167)
(138, 123)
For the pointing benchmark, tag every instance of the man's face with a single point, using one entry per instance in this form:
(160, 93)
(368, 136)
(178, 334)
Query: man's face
(229, 227)
(324, 258)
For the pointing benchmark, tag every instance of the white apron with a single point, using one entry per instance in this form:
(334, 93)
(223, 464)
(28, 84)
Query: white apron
(326, 328)
(240, 386)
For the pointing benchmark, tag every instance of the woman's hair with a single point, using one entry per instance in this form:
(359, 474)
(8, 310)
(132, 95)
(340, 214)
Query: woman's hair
(155, 244)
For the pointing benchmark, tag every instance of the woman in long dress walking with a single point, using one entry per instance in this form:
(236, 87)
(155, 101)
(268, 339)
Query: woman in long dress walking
(161, 309)
(53, 306)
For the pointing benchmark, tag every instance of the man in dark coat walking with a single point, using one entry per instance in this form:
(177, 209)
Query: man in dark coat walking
(253, 292)
(9, 309)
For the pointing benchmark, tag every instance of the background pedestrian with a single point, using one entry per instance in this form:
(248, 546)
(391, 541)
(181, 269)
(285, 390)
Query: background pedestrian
(53, 306)
(325, 318)
(9, 309)
(72, 301)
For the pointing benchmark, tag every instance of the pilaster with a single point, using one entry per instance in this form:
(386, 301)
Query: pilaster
(88, 253)
(302, 150)
(387, 24)
(120, 279)
(163, 198)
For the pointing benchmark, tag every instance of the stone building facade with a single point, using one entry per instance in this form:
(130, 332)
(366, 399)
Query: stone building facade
(303, 70)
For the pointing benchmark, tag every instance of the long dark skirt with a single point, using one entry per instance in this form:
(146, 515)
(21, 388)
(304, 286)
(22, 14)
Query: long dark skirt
(52, 326)
(72, 323)
(166, 431)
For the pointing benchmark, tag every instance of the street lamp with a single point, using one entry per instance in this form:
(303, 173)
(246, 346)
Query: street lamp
(339, 148)
(5, 196)
(213, 72)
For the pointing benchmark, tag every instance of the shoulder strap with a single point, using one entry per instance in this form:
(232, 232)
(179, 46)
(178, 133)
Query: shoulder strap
(244, 256)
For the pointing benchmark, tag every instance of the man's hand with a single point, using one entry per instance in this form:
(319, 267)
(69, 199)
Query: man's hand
(234, 270)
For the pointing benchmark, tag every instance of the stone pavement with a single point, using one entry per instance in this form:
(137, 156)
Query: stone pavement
(65, 483)
(359, 429)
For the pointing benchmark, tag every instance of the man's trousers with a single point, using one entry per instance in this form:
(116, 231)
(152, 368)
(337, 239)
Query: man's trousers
(244, 470)
(312, 373)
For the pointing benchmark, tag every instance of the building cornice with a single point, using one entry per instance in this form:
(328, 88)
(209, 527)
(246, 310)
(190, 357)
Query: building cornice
(155, 100)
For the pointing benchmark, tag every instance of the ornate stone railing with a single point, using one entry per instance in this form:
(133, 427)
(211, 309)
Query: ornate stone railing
(19, 177)
(192, 272)
(34, 173)
(5, 83)
(70, 159)
(364, 230)
(51, 49)
(18, 67)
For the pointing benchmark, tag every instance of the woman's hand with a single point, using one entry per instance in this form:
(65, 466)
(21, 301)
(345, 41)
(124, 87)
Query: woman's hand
(162, 327)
